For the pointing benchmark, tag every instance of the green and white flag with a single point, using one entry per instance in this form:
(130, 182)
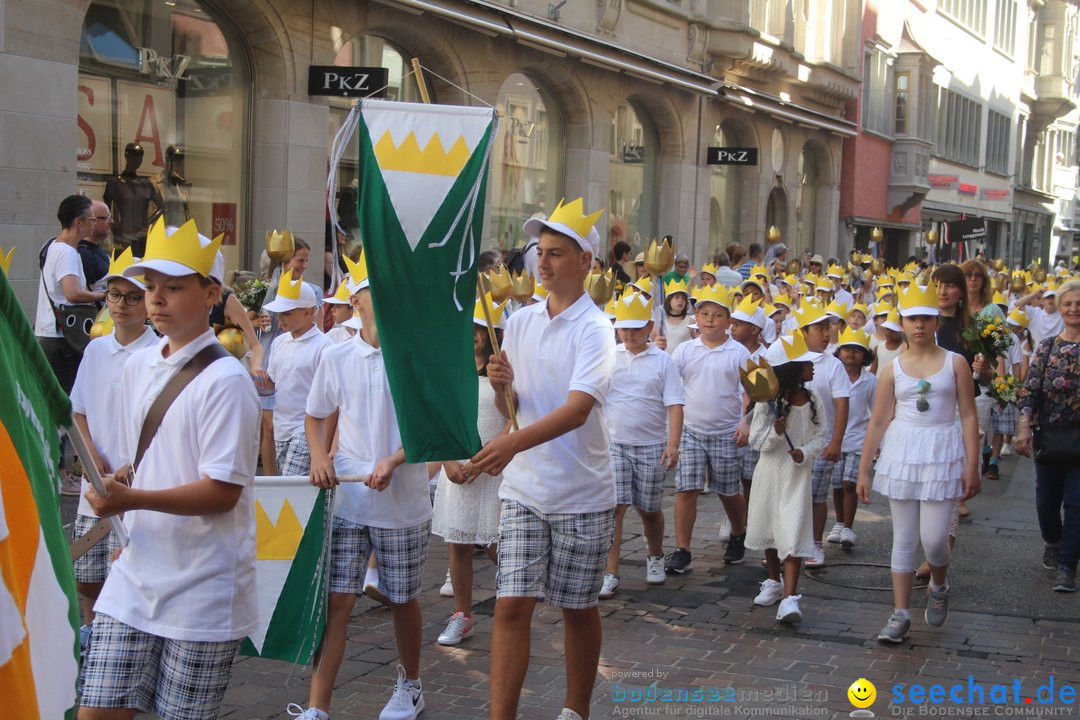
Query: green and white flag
(423, 179)
(290, 576)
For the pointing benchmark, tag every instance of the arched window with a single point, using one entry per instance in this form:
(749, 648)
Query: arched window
(632, 178)
(727, 185)
(526, 161)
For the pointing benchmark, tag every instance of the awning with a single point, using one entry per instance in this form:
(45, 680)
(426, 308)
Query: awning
(855, 220)
(498, 20)
(749, 99)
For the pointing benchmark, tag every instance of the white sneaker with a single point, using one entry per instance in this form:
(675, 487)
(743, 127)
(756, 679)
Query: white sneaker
(725, 529)
(611, 584)
(771, 592)
(447, 589)
(407, 701)
(654, 570)
(70, 485)
(789, 611)
(457, 629)
(835, 533)
(371, 588)
(300, 713)
(568, 714)
(817, 559)
(1007, 450)
(847, 538)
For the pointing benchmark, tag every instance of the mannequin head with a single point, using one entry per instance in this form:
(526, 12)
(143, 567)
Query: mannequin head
(174, 161)
(133, 157)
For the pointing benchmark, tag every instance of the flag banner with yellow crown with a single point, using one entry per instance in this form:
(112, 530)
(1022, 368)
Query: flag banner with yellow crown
(39, 612)
(423, 178)
(290, 575)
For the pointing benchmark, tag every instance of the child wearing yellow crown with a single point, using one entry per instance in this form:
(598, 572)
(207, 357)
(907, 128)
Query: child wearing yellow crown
(678, 316)
(644, 415)
(854, 352)
(558, 490)
(95, 401)
(709, 367)
(891, 343)
(341, 311)
(294, 357)
(748, 324)
(789, 433)
(928, 459)
(181, 597)
(1003, 418)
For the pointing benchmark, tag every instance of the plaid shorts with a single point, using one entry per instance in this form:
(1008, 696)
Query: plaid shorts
(177, 679)
(1003, 420)
(94, 565)
(293, 456)
(825, 475)
(718, 454)
(748, 459)
(848, 470)
(401, 553)
(639, 476)
(560, 557)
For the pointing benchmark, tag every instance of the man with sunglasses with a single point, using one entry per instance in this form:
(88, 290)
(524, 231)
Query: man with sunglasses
(95, 257)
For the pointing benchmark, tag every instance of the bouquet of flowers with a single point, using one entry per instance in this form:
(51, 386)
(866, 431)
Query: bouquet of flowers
(251, 293)
(989, 336)
(1005, 389)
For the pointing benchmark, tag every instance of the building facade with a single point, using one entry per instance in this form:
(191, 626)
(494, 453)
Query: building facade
(970, 108)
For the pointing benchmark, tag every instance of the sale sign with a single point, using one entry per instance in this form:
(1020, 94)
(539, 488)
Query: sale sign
(224, 222)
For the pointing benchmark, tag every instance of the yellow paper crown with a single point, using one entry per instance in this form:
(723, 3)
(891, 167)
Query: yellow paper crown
(812, 280)
(850, 336)
(748, 306)
(893, 318)
(838, 308)
(861, 308)
(5, 259)
(883, 308)
(919, 296)
(609, 309)
(357, 270)
(573, 216)
(771, 310)
(600, 287)
(183, 247)
(759, 271)
(1019, 317)
(791, 280)
(835, 270)
(280, 246)
(759, 380)
(643, 284)
(121, 262)
(1000, 299)
(287, 288)
(797, 347)
(674, 286)
(659, 258)
(809, 314)
(823, 285)
(342, 292)
(539, 292)
(718, 294)
(782, 299)
(633, 306)
(884, 293)
(495, 309)
(710, 268)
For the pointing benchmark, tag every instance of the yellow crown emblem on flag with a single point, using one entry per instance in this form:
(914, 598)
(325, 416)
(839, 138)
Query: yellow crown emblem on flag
(278, 541)
(808, 314)
(748, 306)
(782, 299)
(633, 306)
(850, 336)
(5, 259)
(182, 247)
(919, 296)
(718, 294)
(121, 262)
(710, 268)
(674, 286)
(357, 270)
(287, 288)
(797, 347)
(434, 159)
(1019, 317)
(573, 216)
(496, 310)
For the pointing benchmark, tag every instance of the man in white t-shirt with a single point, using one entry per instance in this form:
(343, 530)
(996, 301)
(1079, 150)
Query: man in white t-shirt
(181, 597)
(1044, 320)
(558, 490)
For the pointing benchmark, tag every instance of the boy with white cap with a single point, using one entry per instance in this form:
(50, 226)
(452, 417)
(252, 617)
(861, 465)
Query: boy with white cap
(558, 490)
(646, 396)
(181, 597)
(341, 311)
(294, 356)
(95, 401)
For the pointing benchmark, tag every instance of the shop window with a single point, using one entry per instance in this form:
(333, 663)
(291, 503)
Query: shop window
(163, 97)
(806, 199)
(727, 183)
(632, 178)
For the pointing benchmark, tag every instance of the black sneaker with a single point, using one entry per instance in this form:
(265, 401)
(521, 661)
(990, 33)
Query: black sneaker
(1066, 580)
(736, 549)
(1050, 557)
(677, 562)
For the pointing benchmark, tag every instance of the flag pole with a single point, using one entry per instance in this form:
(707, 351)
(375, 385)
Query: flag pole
(508, 395)
(82, 449)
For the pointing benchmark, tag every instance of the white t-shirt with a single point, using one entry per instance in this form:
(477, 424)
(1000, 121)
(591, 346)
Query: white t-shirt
(351, 379)
(830, 382)
(711, 382)
(189, 577)
(61, 260)
(643, 387)
(292, 368)
(339, 333)
(96, 394)
(1043, 325)
(552, 356)
(1014, 354)
(860, 405)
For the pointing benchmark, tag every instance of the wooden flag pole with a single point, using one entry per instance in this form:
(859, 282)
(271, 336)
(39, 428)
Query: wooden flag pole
(508, 394)
(421, 85)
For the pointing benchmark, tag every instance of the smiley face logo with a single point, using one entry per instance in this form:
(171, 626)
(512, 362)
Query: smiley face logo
(862, 693)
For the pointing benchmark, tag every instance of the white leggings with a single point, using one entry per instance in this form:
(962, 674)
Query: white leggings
(913, 520)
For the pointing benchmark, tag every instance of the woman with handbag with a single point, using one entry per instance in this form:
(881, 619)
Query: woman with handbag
(1050, 430)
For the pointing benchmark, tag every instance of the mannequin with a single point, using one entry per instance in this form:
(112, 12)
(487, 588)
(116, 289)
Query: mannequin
(129, 197)
(172, 186)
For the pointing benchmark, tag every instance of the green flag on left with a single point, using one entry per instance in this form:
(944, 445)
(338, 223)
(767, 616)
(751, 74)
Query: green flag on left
(39, 610)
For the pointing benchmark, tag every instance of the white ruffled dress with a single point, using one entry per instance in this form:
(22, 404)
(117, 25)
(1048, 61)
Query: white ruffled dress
(922, 453)
(469, 514)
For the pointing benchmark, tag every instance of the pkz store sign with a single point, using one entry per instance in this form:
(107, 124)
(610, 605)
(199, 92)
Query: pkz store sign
(347, 81)
(163, 68)
(731, 156)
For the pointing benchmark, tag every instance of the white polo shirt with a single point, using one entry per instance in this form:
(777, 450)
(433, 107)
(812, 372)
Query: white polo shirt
(830, 382)
(338, 333)
(1043, 325)
(860, 405)
(711, 382)
(96, 394)
(189, 577)
(292, 367)
(351, 378)
(61, 260)
(643, 387)
(551, 356)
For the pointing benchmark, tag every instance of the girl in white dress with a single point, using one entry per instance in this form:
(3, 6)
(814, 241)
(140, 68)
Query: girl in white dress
(466, 513)
(929, 458)
(779, 516)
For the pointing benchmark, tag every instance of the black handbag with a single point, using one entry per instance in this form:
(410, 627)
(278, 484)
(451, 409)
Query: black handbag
(1059, 443)
(73, 321)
